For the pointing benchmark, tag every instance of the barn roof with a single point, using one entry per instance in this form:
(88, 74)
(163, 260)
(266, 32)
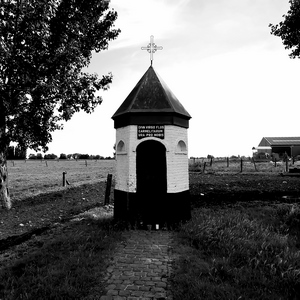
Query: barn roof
(280, 141)
(151, 98)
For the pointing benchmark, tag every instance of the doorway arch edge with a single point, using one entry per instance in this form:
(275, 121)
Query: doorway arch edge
(137, 143)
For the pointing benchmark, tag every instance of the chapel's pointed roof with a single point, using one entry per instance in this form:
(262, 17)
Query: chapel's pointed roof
(151, 102)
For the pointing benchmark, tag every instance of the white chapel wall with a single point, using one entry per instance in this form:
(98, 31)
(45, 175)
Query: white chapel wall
(126, 162)
(176, 143)
(177, 159)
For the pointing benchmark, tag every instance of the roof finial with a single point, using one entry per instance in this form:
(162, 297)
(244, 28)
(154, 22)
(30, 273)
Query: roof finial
(151, 48)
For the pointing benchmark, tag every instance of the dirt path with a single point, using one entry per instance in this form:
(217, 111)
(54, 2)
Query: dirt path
(141, 267)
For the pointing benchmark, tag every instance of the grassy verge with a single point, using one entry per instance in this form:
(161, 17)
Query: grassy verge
(66, 264)
(239, 253)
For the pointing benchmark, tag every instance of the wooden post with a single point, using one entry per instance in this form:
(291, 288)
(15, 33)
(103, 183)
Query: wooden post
(275, 162)
(254, 164)
(227, 162)
(241, 165)
(204, 165)
(211, 161)
(108, 188)
(64, 178)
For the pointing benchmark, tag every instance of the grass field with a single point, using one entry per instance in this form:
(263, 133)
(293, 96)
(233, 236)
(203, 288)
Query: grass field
(234, 166)
(228, 250)
(32, 177)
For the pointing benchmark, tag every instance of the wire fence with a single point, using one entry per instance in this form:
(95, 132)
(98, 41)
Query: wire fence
(244, 164)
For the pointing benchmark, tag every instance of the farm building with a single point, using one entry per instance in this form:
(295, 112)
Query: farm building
(278, 146)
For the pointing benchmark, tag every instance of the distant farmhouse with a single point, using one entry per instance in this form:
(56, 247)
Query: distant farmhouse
(277, 147)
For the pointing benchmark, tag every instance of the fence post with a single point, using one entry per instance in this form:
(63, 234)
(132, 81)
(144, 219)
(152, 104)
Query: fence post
(254, 163)
(108, 187)
(227, 162)
(211, 161)
(275, 162)
(241, 165)
(64, 178)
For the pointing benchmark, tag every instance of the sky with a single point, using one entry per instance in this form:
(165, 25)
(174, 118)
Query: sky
(234, 78)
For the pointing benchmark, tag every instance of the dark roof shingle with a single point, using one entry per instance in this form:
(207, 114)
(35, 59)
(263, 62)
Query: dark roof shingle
(151, 95)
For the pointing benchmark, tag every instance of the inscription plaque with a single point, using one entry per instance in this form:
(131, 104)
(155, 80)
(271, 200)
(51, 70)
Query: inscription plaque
(144, 131)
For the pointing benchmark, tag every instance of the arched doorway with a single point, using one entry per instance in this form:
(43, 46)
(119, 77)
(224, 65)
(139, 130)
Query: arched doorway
(151, 174)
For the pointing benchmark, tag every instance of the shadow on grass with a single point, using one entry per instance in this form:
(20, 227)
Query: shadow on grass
(68, 264)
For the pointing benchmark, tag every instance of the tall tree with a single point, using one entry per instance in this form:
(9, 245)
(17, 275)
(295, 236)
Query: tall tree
(44, 46)
(289, 29)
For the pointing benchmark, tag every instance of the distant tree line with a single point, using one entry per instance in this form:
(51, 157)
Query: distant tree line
(17, 152)
(67, 156)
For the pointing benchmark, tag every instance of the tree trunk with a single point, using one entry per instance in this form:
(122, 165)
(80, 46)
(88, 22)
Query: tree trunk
(5, 201)
(4, 193)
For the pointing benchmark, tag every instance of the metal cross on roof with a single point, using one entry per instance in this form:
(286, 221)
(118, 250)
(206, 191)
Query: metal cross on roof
(151, 48)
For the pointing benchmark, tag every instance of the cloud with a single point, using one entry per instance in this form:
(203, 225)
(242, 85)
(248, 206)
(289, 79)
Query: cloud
(140, 19)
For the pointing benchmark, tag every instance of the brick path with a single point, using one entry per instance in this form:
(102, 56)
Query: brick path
(141, 267)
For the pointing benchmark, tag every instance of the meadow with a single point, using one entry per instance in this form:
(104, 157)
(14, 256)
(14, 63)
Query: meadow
(220, 165)
(242, 242)
(32, 177)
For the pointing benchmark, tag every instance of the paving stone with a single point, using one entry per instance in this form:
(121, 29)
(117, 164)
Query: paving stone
(144, 288)
(106, 298)
(157, 289)
(124, 293)
(156, 279)
(120, 286)
(112, 292)
(110, 287)
(161, 284)
(140, 268)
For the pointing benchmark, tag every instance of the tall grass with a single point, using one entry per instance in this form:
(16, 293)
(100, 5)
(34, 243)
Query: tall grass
(65, 265)
(233, 254)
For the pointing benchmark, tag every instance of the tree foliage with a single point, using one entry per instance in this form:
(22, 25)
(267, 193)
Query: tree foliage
(289, 29)
(44, 45)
